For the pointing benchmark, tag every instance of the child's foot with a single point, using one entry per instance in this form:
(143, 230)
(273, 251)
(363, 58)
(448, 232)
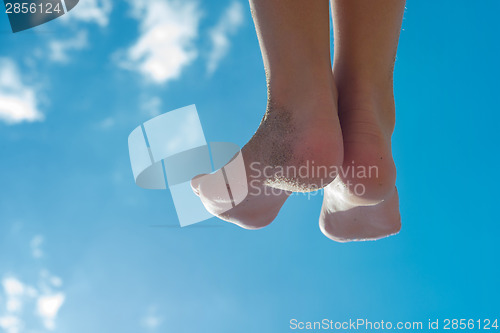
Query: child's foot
(297, 148)
(362, 203)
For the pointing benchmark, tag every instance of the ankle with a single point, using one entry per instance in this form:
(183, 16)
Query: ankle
(305, 107)
(301, 91)
(369, 97)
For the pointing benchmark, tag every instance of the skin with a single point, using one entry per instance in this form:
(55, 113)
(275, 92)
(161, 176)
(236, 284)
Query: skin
(366, 35)
(341, 117)
(300, 123)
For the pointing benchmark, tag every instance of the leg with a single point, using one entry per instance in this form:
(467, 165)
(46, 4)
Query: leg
(300, 127)
(366, 36)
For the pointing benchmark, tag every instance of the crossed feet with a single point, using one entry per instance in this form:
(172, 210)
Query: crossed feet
(339, 144)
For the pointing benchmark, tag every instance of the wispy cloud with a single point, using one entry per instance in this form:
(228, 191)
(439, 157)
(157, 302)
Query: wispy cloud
(16, 293)
(59, 49)
(20, 302)
(11, 324)
(87, 11)
(168, 30)
(91, 11)
(228, 25)
(18, 102)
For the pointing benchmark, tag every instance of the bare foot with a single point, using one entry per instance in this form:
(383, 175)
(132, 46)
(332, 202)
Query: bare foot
(344, 221)
(297, 148)
(362, 203)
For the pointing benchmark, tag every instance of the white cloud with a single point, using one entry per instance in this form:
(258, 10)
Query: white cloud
(10, 324)
(35, 245)
(59, 49)
(20, 303)
(96, 11)
(18, 102)
(13, 287)
(87, 11)
(48, 306)
(165, 46)
(14, 291)
(228, 24)
(18, 295)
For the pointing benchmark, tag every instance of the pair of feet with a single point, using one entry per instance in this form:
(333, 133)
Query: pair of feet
(339, 140)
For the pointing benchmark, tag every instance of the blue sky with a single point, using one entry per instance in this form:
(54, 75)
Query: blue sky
(80, 249)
